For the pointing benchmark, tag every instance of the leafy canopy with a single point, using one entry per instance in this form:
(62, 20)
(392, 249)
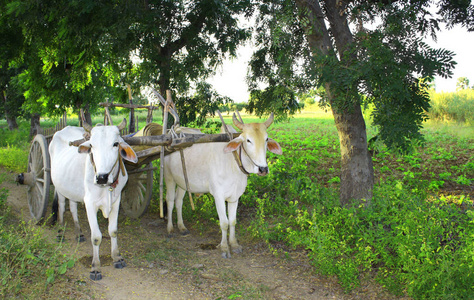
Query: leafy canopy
(385, 64)
(82, 52)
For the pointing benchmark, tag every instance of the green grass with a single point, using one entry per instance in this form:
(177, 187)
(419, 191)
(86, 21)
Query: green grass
(28, 262)
(416, 239)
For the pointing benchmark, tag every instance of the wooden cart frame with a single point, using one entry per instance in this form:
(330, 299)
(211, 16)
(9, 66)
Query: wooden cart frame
(136, 195)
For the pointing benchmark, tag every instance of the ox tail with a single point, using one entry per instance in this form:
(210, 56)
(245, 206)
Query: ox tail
(54, 215)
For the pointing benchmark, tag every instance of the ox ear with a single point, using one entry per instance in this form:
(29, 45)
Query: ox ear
(274, 147)
(233, 145)
(127, 153)
(84, 147)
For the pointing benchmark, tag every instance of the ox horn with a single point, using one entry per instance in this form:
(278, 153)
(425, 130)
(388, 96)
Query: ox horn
(269, 121)
(122, 125)
(237, 123)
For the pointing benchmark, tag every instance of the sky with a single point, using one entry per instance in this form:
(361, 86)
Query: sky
(230, 78)
(461, 43)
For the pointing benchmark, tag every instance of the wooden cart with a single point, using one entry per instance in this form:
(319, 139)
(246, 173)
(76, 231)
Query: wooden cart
(136, 195)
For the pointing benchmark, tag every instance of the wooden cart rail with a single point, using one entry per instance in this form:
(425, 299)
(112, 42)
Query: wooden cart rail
(168, 140)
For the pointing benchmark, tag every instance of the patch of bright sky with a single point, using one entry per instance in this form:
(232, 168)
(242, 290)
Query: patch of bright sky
(230, 77)
(461, 42)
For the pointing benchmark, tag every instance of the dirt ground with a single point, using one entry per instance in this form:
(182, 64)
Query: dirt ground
(184, 267)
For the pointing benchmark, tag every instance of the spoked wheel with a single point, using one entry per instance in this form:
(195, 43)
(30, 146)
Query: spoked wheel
(38, 177)
(136, 194)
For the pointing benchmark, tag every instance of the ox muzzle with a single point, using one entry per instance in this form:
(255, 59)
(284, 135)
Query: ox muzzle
(102, 179)
(262, 171)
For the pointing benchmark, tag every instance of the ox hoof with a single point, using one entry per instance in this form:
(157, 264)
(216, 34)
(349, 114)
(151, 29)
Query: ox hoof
(225, 255)
(81, 238)
(60, 238)
(237, 249)
(185, 232)
(95, 275)
(120, 264)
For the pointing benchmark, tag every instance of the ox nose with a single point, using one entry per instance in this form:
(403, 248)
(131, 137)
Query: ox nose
(262, 170)
(102, 178)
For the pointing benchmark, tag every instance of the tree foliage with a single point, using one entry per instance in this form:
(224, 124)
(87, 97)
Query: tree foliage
(204, 102)
(82, 52)
(360, 52)
(387, 62)
(462, 83)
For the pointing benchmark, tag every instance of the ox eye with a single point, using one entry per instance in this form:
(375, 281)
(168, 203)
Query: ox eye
(248, 141)
(116, 144)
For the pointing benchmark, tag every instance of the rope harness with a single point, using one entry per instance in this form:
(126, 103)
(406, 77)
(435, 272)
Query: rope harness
(119, 161)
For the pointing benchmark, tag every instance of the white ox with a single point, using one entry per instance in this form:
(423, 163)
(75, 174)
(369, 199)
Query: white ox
(96, 179)
(211, 168)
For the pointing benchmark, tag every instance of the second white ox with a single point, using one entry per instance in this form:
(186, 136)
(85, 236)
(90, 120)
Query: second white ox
(96, 179)
(211, 168)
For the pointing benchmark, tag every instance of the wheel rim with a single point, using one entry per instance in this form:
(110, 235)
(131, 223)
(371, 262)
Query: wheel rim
(39, 167)
(136, 195)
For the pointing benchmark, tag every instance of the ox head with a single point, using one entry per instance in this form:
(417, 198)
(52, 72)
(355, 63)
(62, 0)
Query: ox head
(254, 142)
(105, 145)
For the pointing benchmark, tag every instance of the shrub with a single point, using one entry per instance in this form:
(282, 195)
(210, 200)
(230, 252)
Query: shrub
(414, 243)
(14, 158)
(457, 106)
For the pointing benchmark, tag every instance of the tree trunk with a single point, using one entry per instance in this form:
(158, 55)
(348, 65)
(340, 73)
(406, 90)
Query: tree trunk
(88, 117)
(165, 70)
(34, 124)
(165, 75)
(357, 172)
(11, 119)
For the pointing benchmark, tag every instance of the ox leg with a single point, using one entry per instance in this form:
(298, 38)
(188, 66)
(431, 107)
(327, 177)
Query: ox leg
(77, 228)
(119, 262)
(170, 194)
(61, 208)
(179, 210)
(232, 213)
(224, 224)
(96, 239)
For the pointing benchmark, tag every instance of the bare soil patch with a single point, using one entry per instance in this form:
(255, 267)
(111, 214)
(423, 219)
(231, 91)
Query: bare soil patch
(183, 267)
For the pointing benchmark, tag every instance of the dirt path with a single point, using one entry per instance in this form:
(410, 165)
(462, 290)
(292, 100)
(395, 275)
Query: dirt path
(187, 267)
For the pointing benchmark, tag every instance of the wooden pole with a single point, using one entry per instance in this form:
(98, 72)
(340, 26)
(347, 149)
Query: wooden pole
(167, 139)
(162, 153)
(131, 126)
(110, 104)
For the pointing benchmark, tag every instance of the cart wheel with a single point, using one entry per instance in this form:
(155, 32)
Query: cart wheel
(136, 195)
(39, 168)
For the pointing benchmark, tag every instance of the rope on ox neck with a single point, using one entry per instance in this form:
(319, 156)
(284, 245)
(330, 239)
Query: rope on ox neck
(119, 161)
(248, 156)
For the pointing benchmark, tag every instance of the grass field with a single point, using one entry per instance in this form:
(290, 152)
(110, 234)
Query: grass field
(417, 238)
